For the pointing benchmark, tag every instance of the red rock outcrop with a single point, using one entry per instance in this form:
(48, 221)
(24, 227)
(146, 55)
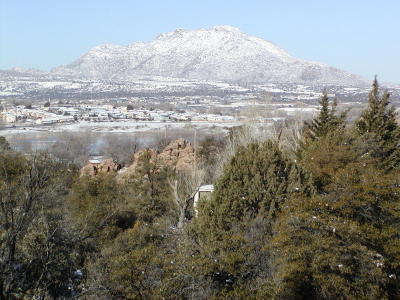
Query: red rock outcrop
(104, 166)
(179, 154)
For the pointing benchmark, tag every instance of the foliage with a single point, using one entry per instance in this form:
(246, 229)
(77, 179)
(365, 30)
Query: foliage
(95, 207)
(325, 123)
(329, 154)
(207, 153)
(229, 234)
(342, 244)
(258, 179)
(379, 122)
(148, 191)
(319, 222)
(134, 263)
(4, 145)
(36, 255)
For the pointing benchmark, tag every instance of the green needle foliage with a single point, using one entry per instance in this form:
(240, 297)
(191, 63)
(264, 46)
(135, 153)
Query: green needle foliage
(148, 191)
(378, 122)
(258, 179)
(343, 244)
(232, 228)
(37, 255)
(326, 122)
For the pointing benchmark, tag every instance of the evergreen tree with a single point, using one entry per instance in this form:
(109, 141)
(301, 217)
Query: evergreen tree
(132, 265)
(325, 145)
(326, 121)
(257, 181)
(4, 145)
(229, 234)
(324, 157)
(343, 244)
(94, 204)
(378, 123)
(148, 193)
(36, 254)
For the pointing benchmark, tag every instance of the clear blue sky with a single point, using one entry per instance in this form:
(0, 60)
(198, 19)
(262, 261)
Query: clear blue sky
(362, 37)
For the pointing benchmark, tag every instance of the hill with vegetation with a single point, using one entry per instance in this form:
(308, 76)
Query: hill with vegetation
(312, 211)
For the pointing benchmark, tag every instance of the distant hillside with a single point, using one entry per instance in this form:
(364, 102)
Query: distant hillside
(222, 53)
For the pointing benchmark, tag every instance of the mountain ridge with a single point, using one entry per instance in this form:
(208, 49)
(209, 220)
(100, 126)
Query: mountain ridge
(221, 53)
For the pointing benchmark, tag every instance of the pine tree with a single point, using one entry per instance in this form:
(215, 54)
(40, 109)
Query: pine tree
(132, 265)
(94, 205)
(257, 181)
(343, 244)
(324, 146)
(378, 123)
(231, 230)
(148, 192)
(324, 157)
(326, 121)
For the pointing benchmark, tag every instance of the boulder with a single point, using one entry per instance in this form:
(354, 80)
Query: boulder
(180, 154)
(103, 166)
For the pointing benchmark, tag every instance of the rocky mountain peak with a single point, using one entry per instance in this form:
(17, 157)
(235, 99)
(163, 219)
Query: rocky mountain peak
(221, 53)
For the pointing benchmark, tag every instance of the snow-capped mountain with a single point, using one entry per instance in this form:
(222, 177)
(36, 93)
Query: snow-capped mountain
(222, 53)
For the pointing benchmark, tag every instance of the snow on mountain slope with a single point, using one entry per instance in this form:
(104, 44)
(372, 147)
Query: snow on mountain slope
(222, 53)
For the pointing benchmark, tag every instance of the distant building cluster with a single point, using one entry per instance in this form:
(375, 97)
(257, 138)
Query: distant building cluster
(42, 115)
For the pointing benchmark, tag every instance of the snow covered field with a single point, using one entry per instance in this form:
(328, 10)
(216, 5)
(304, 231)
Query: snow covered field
(146, 133)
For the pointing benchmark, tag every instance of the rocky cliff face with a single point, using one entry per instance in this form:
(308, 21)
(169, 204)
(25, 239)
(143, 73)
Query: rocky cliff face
(179, 154)
(221, 53)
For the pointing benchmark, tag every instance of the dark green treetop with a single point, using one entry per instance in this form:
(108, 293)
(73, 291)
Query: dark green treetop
(4, 145)
(257, 181)
(326, 121)
(378, 123)
(343, 244)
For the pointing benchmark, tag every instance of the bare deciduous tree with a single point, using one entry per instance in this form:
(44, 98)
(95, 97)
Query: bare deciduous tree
(287, 132)
(73, 147)
(120, 148)
(184, 186)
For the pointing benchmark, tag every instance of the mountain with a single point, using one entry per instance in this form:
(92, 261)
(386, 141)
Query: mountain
(221, 53)
(16, 71)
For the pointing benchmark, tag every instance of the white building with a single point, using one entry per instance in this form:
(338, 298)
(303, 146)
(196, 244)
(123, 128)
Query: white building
(9, 117)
